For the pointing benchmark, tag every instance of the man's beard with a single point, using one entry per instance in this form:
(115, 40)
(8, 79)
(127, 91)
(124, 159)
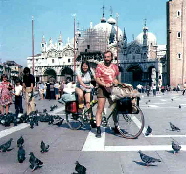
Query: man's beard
(108, 62)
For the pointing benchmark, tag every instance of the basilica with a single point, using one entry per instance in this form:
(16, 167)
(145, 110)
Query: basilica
(140, 61)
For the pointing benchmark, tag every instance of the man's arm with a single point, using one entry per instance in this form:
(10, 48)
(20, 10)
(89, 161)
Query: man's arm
(98, 80)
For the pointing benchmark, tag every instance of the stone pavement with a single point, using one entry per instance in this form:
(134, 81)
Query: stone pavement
(109, 155)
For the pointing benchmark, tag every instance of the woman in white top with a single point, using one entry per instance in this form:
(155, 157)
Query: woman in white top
(83, 86)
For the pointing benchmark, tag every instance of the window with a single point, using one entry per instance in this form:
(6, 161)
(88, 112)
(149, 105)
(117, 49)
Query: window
(178, 13)
(68, 60)
(42, 45)
(52, 60)
(59, 44)
(179, 56)
(179, 34)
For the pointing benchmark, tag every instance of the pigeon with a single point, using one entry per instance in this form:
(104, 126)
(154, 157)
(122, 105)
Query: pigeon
(147, 159)
(15, 121)
(35, 163)
(5, 147)
(20, 142)
(80, 168)
(31, 123)
(32, 157)
(51, 120)
(172, 99)
(59, 123)
(179, 106)
(35, 120)
(21, 154)
(149, 101)
(176, 147)
(44, 148)
(148, 131)
(53, 107)
(44, 110)
(174, 128)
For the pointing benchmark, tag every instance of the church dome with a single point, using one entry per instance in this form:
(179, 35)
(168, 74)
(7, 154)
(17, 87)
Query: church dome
(151, 38)
(105, 27)
(111, 20)
(108, 29)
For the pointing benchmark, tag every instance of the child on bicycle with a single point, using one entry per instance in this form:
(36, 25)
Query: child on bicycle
(83, 86)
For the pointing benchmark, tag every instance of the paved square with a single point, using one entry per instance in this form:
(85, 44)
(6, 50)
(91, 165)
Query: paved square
(109, 154)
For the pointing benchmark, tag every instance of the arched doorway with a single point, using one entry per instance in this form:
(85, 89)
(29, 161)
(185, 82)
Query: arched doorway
(135, 75)
(67, 73)
(49, 75)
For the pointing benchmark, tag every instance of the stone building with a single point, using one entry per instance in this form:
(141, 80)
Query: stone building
(176, 41)
(16, 69)
(143, 61)
(56, 60)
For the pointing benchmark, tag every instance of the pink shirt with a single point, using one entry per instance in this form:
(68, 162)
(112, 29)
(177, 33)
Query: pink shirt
(107, 73)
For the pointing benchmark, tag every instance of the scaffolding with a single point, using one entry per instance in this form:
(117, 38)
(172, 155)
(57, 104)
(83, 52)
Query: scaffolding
(91, 44)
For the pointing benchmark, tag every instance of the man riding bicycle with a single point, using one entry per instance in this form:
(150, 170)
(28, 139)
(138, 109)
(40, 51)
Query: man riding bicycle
(106, 74)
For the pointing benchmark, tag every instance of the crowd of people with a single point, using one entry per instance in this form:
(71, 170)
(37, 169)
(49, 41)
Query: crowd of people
(157, 89)
(104, 76)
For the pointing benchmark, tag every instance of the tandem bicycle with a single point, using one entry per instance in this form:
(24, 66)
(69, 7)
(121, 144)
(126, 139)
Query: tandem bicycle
(126, 113)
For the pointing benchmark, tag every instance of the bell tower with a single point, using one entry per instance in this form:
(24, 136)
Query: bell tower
(43, 45)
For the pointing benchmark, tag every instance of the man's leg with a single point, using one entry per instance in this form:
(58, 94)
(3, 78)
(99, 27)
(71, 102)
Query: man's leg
(100, 108)
(16, 106)
(20, 104)
(27, 101)
(32, 105)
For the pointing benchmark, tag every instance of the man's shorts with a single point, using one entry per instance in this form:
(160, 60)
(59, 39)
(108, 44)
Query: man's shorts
(102, 93)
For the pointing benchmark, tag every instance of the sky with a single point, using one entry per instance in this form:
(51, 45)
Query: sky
(53, 17)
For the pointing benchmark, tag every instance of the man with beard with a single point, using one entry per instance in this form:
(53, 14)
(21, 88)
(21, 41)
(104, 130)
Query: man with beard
(106, 74)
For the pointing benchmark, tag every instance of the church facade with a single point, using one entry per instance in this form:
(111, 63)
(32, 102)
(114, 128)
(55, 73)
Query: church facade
(140, 61)
(54, 62)
(143, 61)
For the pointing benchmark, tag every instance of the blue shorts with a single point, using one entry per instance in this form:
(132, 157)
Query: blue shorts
(56, 91)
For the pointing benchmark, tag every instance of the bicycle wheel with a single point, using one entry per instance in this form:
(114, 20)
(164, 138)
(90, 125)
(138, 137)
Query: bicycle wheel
(73, 121)
(130, 125)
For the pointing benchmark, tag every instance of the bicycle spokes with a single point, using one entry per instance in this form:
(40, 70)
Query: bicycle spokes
(130, 125)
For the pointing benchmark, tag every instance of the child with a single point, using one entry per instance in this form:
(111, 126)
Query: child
(18, 98)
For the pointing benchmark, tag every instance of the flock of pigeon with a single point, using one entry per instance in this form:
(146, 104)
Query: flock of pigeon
(33, 119)
(175, 145)
(35, 163)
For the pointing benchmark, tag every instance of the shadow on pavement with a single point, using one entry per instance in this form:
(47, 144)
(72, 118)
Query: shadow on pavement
(143, 164)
